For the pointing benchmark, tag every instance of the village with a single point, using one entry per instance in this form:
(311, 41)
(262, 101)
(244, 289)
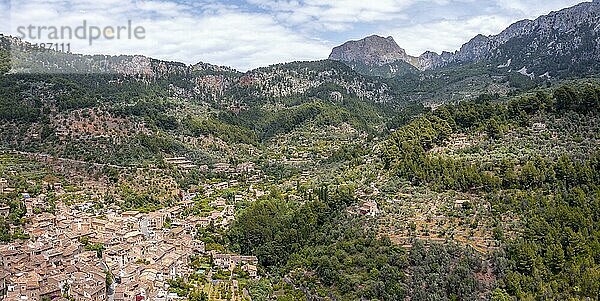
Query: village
(78, 251)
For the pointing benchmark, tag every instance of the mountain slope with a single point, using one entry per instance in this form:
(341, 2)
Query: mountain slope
(132, 109)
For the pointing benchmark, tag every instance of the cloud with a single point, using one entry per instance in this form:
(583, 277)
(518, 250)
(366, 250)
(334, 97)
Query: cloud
(335, 15)
(456, 22)
(446, 35)
(4, 16)
(533, 9)
(220, 34)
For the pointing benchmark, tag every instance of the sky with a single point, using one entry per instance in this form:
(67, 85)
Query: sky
(247, 34)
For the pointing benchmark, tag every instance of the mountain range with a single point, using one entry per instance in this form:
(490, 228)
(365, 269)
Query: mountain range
(554, 45)
(551, 47)
(557, 44)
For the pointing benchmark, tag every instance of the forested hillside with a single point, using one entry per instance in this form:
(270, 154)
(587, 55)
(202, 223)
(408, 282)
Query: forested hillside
(469, 182)
(316, 247)
(554, 195)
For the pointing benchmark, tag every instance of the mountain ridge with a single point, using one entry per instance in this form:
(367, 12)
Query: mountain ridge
(499, 64)
(556, 28)
(372, 50)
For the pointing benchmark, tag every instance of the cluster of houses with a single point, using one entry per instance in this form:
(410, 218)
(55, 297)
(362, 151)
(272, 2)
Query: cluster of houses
(114, 256)
(54, 263)
(231, 261)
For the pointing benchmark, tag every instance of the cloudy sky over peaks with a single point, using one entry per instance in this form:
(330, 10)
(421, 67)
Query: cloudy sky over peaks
(247, 34)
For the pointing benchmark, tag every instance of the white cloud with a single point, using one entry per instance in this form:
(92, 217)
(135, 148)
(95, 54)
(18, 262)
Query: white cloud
(217, 34)
(449, 32)
(533, 9)
(335, 15)
(4, 18)
(446, 35)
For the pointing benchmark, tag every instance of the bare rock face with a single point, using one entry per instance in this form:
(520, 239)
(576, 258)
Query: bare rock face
(571, 35)
(431, 60)
(375, 56)
(371, 51)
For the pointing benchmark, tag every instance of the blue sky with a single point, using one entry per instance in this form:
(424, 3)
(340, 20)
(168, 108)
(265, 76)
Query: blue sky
(246, 34)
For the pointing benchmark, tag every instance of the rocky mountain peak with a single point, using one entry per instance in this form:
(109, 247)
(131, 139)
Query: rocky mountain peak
(371, 51)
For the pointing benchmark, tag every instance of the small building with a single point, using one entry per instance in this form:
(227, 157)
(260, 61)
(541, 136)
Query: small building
(251, 269)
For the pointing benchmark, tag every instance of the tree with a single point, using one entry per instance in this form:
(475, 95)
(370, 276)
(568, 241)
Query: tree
(494, 128)
(565, 98)
(198, 296)
(500, 295)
